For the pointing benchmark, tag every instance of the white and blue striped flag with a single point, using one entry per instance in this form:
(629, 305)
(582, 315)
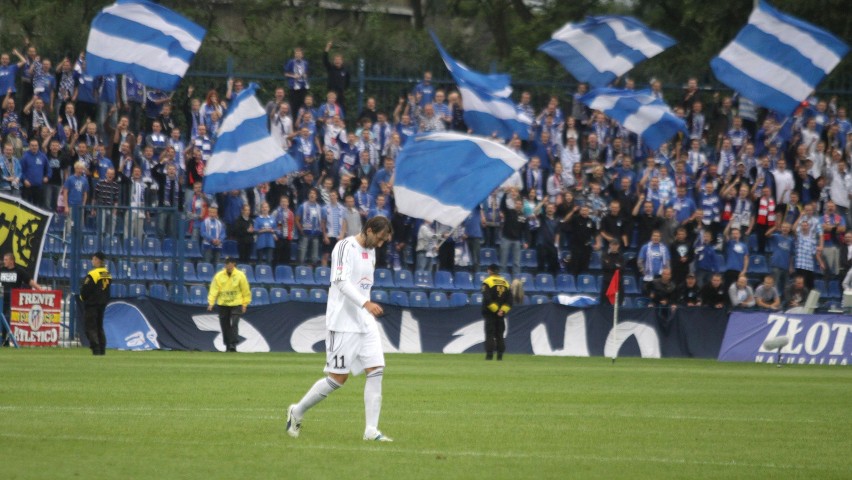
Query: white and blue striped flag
(245, 154)
(778, 60)
(638, 111)
(488, 110)
(497, 84)
(148, 41)
(603, 48)
(443, 176)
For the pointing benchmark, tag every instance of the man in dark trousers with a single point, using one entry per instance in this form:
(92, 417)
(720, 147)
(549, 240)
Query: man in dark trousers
(95, 295)
(496, 303)
(230, 291)
(12, 276)
(337, 74)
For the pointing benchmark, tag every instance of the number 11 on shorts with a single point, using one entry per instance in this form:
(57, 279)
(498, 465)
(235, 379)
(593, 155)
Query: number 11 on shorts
(339, 362)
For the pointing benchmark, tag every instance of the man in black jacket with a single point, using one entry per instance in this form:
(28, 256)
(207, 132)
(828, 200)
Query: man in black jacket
(496, 303)
(95, 295)
(338, 76)
(714, 294)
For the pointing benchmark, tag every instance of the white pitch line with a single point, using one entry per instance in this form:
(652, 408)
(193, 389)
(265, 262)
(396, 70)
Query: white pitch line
(428, 452)
(280, 411)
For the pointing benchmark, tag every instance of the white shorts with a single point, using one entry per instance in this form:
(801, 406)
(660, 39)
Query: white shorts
(351, 352)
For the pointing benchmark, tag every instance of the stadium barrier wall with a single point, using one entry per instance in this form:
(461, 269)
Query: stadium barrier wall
(547, 329)
(813, 339)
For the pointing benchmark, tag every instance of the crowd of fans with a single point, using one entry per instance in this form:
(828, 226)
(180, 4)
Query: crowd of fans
(689, 217)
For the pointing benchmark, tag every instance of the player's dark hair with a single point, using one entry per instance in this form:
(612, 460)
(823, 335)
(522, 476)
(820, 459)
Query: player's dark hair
(377, 224)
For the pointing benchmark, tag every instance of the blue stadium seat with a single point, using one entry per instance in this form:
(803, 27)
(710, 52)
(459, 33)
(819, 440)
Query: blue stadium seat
(529, 259)
(189, 272)
(57, 224)
(476, 298)
(284, 275)
(229, 249)
(318, 295)
(423, 279)
(52, 245)
(458, 299)
(587, 284)
(90, 244)
(205, 272)
(595, 261)
(85, 266)
(248, 270)
(403, 279)
(305, 275)
(322, 276)
(539, 299)
(278, 295)
(642, 302)
(487, 256)
(114, 247)
(528, 281)
(628, 303)
(168, 248)
(418, 298)
(629, 257)
(464, 281)
(545, 283)
(192, 249)
(630, 285)
(259, 296)
(757, 265)
(46, 268)
(133, 247)
(408, 255)
(151, 247)
(263, 274)
(166, 271)
(158, 290)
(126, 270)
(179, 294)
(198, 295)
(438, 300)
(834, 291)
(299, 295)
(145, 271)
(398, 298)
(63, 268)
(821, 286)
(379, 296)
(117, 290)
(752, 244)
(444, 281)
(383, 278)
(136, 290)
(479, 277)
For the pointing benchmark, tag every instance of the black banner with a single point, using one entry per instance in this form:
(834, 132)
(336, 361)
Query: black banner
(547, 329)
(23, 228)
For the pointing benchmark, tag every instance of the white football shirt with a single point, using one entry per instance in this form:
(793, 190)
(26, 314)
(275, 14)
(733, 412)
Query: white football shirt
(352, 269)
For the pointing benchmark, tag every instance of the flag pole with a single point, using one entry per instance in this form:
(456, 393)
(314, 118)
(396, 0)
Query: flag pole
(615, 327)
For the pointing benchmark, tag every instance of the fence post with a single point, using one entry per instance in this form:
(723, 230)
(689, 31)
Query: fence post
(361, 68)
(77, 219)
(181, 251)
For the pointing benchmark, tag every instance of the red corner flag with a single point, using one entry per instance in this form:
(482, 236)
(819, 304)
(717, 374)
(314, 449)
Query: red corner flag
(613, 287)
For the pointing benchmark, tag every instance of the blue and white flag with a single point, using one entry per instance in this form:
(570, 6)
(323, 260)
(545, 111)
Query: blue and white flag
(245, 154)
(443, 176)
(497, 84)
(638, 111)
(778, 60)
(487, 114)
(602, 49)
(148, 41)
(488, 110)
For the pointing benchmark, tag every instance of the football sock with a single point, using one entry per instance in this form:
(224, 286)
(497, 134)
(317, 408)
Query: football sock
(316, 394)
(373, 397)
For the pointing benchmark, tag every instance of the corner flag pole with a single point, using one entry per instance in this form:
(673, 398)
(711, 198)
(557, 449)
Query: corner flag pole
(615, 327)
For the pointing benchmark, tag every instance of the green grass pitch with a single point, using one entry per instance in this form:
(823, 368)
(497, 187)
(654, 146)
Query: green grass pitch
(67, 414)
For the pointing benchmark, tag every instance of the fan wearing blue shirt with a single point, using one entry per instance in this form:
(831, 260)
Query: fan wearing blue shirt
(425, 89)
(736, 256)
(296, 71)
(35, 171)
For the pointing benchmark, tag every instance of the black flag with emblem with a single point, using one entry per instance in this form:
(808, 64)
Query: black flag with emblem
(23, 229)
